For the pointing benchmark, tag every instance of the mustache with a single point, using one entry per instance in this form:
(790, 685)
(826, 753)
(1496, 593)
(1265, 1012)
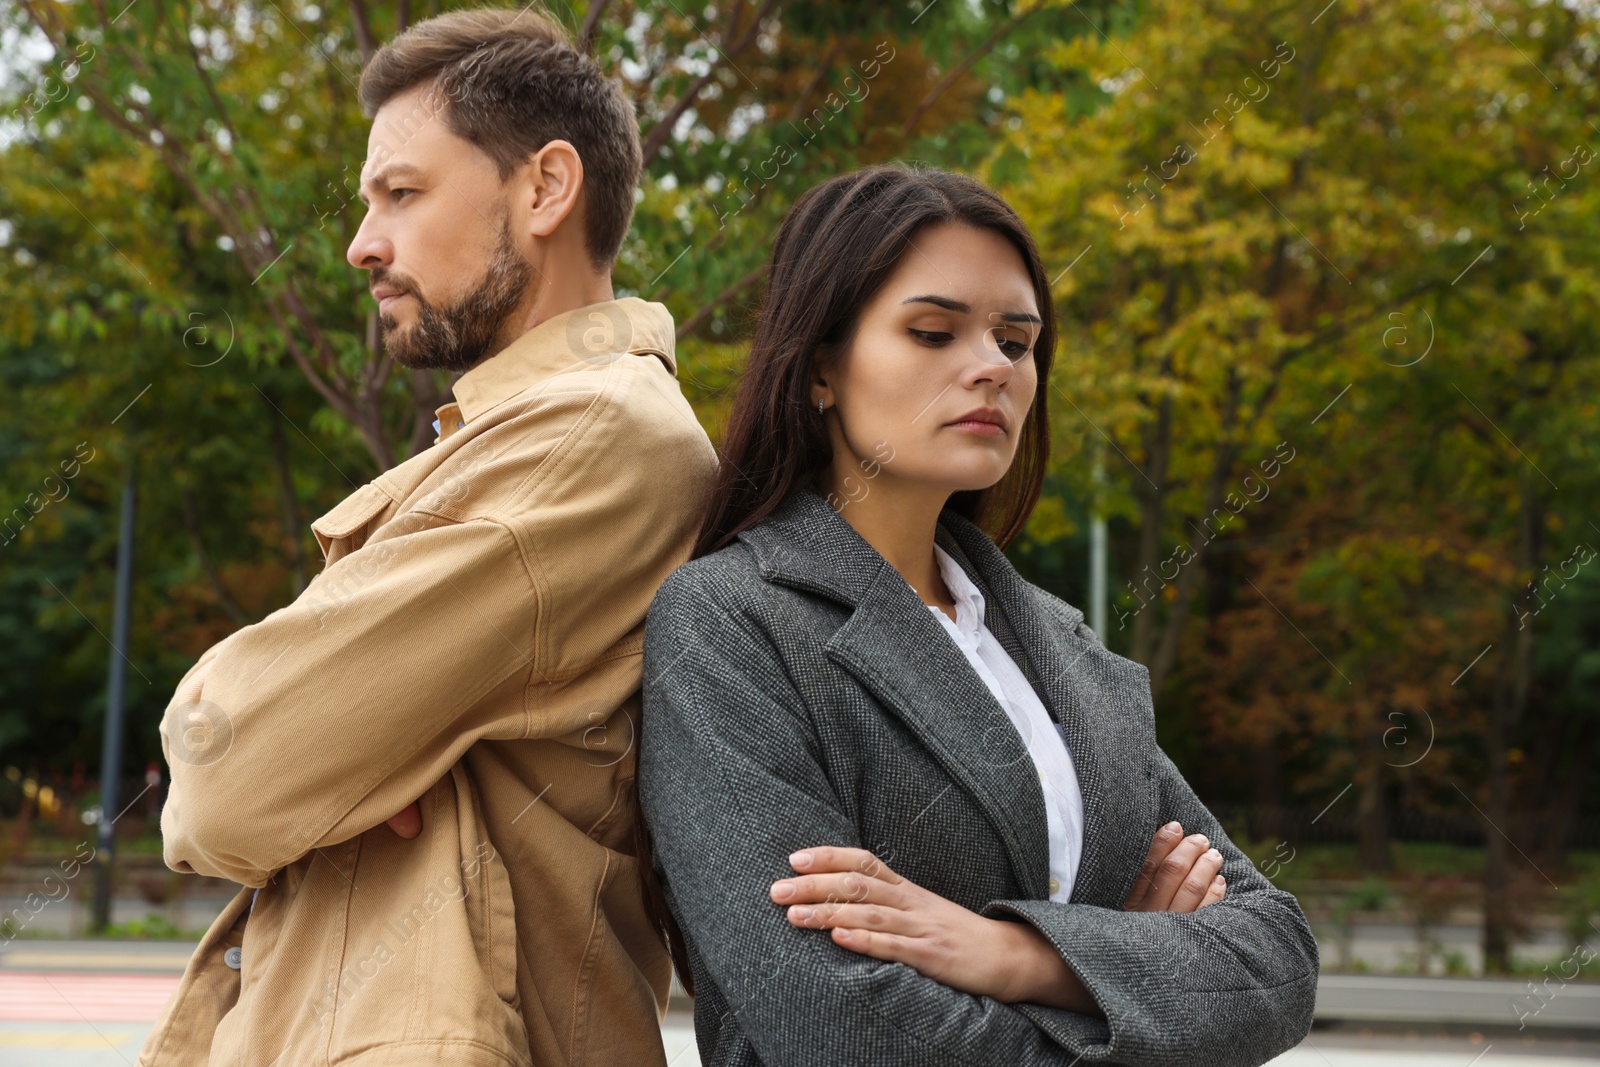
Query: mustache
(399, 285)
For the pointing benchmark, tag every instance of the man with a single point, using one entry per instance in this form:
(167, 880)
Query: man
(474, 641)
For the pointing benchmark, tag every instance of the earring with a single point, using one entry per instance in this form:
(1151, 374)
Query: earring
(821, 405)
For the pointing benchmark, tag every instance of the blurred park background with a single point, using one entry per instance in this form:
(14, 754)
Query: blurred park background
(1330, 361)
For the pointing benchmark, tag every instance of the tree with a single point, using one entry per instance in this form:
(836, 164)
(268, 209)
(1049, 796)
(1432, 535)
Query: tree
(178, 195)
(1273, 220)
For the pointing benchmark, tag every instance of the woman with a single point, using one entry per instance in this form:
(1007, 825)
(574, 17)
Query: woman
(869, 742)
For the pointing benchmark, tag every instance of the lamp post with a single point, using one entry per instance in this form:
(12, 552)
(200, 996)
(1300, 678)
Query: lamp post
(1097, 552)
(111, 750)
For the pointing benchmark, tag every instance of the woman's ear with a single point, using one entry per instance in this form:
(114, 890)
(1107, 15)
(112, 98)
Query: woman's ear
(821, 385)
(822, 394)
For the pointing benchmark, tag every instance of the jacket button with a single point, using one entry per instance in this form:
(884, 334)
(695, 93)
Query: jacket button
(233, 957)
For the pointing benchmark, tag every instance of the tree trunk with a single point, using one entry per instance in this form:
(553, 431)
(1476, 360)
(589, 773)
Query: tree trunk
(208, 567)
(289, 507)
(1510, 701)
(1372, 811)
(1568, 798)
(1147, 582)
(1268, 821)
(1496, 859)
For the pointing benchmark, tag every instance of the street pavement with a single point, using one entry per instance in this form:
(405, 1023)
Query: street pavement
(91, 1003)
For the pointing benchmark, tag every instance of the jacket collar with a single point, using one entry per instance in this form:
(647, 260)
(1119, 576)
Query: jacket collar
(589, 336)
(894, 646)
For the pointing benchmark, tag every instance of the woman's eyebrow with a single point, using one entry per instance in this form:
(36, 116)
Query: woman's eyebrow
(938, 301)
(957, 305)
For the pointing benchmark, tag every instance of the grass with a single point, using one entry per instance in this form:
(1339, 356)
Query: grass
(153, 927)
(1412, 860)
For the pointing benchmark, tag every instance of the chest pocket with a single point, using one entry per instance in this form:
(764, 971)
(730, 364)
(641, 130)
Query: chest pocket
(347, 527)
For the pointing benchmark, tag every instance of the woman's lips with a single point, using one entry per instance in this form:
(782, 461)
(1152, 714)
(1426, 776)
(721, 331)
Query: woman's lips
(982, 429)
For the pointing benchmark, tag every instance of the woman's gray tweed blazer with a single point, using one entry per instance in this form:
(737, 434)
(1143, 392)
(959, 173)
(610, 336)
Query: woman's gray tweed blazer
(798, 692)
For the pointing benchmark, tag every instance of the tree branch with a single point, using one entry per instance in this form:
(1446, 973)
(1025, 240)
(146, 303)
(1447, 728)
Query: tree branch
(803, 97)
(699, 317)
(662, 130)
(960, 69)
(591, 22)
(364, 39)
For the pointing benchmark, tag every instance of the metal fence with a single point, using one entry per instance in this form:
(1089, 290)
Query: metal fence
(1305, 825)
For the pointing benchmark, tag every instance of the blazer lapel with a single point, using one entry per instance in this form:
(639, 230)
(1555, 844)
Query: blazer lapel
(894, 647)
(899, 652)
(1087, 690)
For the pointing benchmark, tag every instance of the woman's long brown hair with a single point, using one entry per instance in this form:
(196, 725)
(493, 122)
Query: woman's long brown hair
(835, 249)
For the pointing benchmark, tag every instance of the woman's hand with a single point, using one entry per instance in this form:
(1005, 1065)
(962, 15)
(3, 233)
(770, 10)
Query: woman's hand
(871, 910)
(1179, 874)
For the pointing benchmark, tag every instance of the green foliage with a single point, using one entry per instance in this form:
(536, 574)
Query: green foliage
(153, 927)
(1328, 285)
(176, 201)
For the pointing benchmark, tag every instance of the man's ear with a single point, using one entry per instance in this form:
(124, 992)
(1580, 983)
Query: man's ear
(551, 186)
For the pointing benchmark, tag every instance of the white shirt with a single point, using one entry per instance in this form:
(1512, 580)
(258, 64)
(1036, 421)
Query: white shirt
(1063, 800)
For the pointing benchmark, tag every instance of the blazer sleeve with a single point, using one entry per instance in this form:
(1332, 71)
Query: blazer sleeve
(1230, 985)
(731, 782)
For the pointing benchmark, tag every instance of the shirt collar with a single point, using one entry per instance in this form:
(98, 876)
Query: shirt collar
(969, 602)
(588, 336)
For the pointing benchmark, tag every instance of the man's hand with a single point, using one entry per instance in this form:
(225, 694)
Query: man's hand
(407, 822)
(1179, 874)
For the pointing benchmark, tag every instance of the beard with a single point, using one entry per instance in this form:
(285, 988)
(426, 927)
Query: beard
(457, 336)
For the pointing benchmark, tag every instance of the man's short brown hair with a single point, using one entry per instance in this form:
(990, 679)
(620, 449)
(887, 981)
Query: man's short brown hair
(510, 82)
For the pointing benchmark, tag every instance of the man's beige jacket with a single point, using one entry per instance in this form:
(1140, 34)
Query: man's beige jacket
(474, 639)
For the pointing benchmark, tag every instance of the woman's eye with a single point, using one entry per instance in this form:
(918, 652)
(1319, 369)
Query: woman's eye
(933, 337)
(1014, 349)
(396, 192)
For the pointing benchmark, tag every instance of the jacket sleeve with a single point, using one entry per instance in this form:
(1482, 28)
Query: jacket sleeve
(731, 782)
(1230, 985)
(316, 723)
(330, 715)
